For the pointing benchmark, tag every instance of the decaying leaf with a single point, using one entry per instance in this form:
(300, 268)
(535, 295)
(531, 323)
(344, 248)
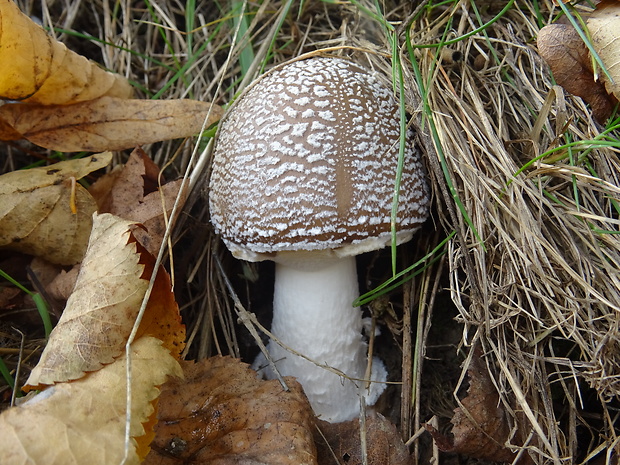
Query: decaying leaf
(107, 123)
(102, 309)
(222, 414)
(35, 68)
(44, 212)
(480, 429)
(132, 192)
(571, 63)
(84, 421)
(340, 442)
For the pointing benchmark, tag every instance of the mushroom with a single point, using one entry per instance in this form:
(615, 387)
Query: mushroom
(304, 174)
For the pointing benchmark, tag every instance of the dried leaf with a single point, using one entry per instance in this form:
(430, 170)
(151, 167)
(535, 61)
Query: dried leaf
(480, 429)
(222, 414)
(569, 59)
(162, 318)
(132, 192)
(107, 123)
(604, 27)
(84, 421)
(341, 441)
(101, 311)
(36, 214)
(35, 68)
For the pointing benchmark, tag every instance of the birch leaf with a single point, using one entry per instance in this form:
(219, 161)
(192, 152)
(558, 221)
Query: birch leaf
(36, 68)
(103, 307)
(44, 212)
(84, 421)
(107, 123)
(100, 312)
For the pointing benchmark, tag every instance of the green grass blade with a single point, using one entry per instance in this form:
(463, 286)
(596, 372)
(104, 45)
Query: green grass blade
(406, 275)
(6, 374)
(38, 300)
(582, 30)
(428, 117)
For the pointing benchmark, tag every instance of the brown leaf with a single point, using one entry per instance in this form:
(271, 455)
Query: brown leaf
(222, 414)
(36, 205)
(84, 421)
(569, 59)
(35, 68)
(107, 123)
(61, 287)
(341, 441)
(162, 318)
(480, 429)
(132, 192)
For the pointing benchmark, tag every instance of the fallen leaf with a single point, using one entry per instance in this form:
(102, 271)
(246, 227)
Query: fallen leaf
(35, 68)
(100, 312)
(132, 192)
(569, 59)
(61, 287)
(341, 443)
(84, 421)
(162, 318)
(604, 28)
(107, 123)
(123, 189)
(480, 429)
(221, 413)
(36, 214)
(105, 302)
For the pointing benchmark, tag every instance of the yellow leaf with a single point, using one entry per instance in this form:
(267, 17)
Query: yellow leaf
(83, 422)
(36, 206)
(604, 27)
(101, 310)
(35, 68)
(106, 123)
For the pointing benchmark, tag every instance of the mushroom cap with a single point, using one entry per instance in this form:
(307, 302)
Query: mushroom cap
(306, 160)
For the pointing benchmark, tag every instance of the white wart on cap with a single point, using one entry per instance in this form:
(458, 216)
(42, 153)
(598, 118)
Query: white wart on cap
(303, 174)
(306, 160)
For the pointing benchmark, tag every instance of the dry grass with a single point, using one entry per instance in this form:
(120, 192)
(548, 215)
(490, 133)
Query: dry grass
(533, 268)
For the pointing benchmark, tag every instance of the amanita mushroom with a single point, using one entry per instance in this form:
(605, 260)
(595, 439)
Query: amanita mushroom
(303, 174)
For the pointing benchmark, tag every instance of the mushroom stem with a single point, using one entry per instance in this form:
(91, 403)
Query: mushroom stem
(313, 315)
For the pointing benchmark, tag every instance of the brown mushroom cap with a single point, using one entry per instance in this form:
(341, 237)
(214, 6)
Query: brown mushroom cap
(307, 159)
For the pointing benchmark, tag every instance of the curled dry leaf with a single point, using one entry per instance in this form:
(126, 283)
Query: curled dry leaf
(133, 192)
(223, 414)
(340, 442)
(480, 429)
(35, 68)
(84, 421)
(569, 59)
(44, 212)
(107, 123)
(102, 309)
